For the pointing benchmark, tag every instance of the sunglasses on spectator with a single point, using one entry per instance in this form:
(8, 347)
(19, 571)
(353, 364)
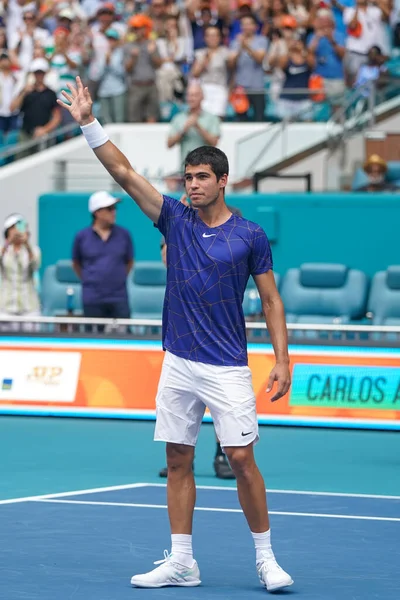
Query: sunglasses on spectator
(29, 18)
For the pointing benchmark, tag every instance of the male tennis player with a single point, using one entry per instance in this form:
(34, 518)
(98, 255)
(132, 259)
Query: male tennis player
(211, 254)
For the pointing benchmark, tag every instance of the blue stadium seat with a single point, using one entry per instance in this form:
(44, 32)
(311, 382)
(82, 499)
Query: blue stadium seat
(146, 289)
(384, 298)
(324, 293)
(56, 280)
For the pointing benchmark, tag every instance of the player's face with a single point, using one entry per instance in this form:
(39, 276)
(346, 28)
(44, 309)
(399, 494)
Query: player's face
(202, 186)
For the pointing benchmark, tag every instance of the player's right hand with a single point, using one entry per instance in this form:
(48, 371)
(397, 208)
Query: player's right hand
(79, 102)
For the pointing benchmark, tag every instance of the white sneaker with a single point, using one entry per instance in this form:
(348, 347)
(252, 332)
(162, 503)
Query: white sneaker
(167, 574)
(272, 576)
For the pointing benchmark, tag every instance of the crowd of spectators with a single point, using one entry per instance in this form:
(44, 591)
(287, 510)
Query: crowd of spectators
(138, 57)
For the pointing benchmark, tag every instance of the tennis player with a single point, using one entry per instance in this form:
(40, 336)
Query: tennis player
(211, 254)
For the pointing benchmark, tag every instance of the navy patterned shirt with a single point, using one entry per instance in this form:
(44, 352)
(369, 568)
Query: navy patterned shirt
(208, 270)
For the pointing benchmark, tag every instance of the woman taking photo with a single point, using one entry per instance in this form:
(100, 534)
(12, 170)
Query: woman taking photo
(18, 263)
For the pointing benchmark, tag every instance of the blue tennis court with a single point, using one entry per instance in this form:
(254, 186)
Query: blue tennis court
(86, 544)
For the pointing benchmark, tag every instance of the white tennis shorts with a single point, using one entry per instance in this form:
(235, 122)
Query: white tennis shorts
(186, 388)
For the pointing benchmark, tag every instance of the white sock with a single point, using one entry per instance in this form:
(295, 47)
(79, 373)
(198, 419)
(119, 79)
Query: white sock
(181, 548)
(262, 542)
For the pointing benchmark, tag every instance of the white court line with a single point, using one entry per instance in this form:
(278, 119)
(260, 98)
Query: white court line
(112, 488)
(200, 487)
(295, 492)
(224, 510)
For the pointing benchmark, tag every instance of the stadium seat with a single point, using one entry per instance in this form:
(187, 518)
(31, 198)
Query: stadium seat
(384, 298)
(324, 293)
(146, 290)
(56, 280)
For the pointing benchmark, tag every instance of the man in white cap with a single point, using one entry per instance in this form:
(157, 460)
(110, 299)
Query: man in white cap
(102, 258)
(38, 104)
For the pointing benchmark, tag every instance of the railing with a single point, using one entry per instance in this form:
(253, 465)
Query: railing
(150, 329)
(261, 175)
(45, 141)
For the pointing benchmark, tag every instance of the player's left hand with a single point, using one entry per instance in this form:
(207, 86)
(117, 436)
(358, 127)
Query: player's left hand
(281, 374)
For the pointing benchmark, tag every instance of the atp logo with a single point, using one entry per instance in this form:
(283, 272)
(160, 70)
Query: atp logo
(45, 375)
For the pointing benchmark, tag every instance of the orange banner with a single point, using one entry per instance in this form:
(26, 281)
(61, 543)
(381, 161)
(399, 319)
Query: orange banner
(120, 379)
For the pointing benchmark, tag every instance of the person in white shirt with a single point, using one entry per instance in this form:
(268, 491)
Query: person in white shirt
(211, 67)
(365, 29)
(10, 86)
(18, 263)
(14, 12)
(22, 40)
(172, 50)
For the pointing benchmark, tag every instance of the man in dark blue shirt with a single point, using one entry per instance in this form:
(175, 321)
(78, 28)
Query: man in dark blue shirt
(102, 258)
(211, 254)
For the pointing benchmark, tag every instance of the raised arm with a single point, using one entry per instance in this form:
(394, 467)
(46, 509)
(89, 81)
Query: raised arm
(79, 104)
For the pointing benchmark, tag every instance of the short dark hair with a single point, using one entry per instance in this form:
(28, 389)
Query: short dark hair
(251, 16)
(208, 155)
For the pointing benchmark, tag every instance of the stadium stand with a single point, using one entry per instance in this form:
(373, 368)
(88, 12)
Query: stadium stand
(44, 46)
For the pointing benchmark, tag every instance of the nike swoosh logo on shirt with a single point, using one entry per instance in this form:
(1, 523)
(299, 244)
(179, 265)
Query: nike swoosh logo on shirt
(244, 434)
(206, 235)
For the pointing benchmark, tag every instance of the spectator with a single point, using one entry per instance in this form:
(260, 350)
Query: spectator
(172, 51)
(279, 47)
(376, 170)
(103, 258)
(10, 86)
(18, 263)
(105, 19)
(142, 62)
(22, 41)
(201, 16)
(298, 10)
(365, 29)
(297, 66)
(3, 41)
(244, 9)
(374, 71)
(275, 12)
(15, 10)
(64, 65)
(41, 114)
(194, 128)
(327, 47)
(246, 59)
(211, 67)
(112, 84)
(158, 15)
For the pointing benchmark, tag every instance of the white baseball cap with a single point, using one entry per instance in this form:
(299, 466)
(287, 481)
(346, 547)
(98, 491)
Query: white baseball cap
(12, 220)
(66, 13)
(39, 64)
(101, 200)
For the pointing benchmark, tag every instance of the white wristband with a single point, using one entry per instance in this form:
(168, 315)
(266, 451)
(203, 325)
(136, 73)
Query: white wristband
(94, 134)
